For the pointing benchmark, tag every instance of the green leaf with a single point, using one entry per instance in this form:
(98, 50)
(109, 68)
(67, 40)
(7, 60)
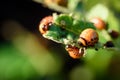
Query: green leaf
(73, 25)
(64, 20)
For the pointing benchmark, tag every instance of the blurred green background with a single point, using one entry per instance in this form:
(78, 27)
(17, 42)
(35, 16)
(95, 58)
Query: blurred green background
(26, 55)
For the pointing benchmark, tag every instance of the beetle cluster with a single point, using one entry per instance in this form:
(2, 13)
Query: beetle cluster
(76, 35)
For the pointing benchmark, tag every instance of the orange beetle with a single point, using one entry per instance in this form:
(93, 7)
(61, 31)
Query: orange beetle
(88, 37)
(45, 23)
(98, 23)
(75, 52)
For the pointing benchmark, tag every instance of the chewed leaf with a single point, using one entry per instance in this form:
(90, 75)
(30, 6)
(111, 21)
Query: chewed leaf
(60, 35)
(54, 34)
(64, 20)
(67, 22)
(79, 26)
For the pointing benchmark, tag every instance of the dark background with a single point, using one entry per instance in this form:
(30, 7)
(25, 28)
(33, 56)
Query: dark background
(26, 12)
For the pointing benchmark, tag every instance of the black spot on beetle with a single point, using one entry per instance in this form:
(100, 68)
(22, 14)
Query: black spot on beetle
(92, 39)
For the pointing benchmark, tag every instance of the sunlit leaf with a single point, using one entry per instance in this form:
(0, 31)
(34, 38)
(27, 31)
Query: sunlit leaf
(98, 10)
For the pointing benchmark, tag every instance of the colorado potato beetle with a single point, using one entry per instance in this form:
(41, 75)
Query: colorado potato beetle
(75, 52)
(88, 37)
(98, 23)
(45, 23)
